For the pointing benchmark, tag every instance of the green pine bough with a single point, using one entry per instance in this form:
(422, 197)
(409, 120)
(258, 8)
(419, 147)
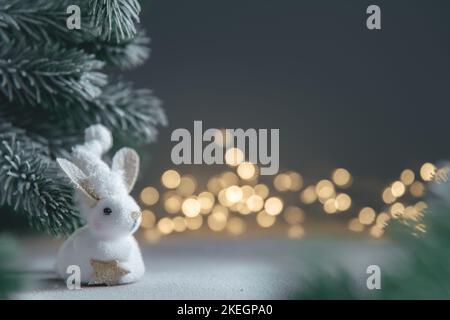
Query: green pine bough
(421, 272)
(53, 85)
(10, 279)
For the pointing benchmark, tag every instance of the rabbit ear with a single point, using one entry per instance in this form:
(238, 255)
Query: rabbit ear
(79, 179)
(126, 160)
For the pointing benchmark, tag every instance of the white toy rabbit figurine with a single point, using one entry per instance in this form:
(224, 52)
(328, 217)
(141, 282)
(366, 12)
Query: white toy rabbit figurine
(104, 249)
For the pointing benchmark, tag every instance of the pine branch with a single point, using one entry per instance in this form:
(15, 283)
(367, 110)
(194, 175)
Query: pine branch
(127, 112)
(48, 140)
(115, 19)
(49, 76)
(39, 21)
(423, 274)
(9, 131)
(43, 64)
(125, 55)
(42, 21)
(30, 184)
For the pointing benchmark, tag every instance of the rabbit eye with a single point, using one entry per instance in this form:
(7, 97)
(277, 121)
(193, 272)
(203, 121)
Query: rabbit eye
(107, 211)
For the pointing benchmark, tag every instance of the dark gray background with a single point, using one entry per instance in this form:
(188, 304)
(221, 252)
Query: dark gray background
(372, 101)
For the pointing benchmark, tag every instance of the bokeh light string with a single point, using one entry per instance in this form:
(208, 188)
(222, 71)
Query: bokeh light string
(236, 200)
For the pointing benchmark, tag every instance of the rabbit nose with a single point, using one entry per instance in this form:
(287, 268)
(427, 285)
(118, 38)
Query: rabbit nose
(135, 215)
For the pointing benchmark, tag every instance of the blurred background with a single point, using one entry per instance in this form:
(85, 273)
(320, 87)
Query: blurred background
(371, 102)
(363, 118)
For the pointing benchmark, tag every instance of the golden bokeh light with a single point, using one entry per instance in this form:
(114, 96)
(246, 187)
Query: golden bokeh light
(236, 226)
(179, 224)
(407, 177)
(411, 213)
(171, 179)
(228, 179)
(187, 186)
(417, 189)
(172, 203)
(233, 194)
(282, 182)
(191, 207)
(194, 223)
(355, 226)
(255, 203)
(217, 221)
(341, 177)
(214, 185)
(273, 206)
(376, 231)
(293, 215)
(149, 196)
(427, 171)
(387, 196)
(165, 225)
(296, 232)
(325, 189)
(222, 209)
(330, 206)
(246, 170)
(207, 201)
(421, 206)
(262, 190)
(296, 181)
(265, 220)
(367, 216)
(398, 189)
(234, 157)
(308, 196)
(382, 219)
(343, 202)
(148, 219)
(397, 209)
(226, 200)
(247, 191)
(242, 208)
(223, 200)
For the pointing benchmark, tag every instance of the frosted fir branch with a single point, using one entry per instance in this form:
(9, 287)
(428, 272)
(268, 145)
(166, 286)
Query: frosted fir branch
(49, 140)
(49, 76)
(9, 131)
(115, 19)
(422, 274)
(133, 115)
(125, 55)
(30, 184)
(42, 21)
(38, 20)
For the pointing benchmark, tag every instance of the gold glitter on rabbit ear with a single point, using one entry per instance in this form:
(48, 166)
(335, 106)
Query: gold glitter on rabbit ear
(126, 161)
(79, 179)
